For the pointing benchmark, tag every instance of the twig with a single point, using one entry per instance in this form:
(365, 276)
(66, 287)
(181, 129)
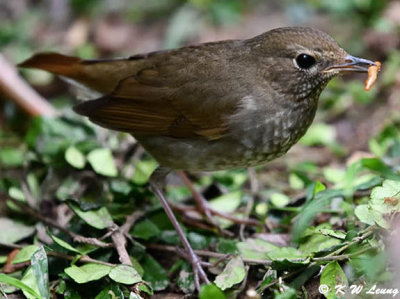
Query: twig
(12, 246)
(17, 90)
(83, 258)
(120, 234)
(77, 238)
(35, 214)
(119, 241)
(329, 257)
(130, 221)
(369, 231)
(207, 253)
(91, 241)
(344, 256)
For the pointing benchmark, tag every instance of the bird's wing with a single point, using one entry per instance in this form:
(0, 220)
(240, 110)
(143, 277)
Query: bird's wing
(157, 101)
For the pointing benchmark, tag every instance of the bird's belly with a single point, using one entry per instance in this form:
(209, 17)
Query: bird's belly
(248, 145)
(225, 153)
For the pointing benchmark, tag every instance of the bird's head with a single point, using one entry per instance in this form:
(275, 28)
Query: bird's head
(302, 60)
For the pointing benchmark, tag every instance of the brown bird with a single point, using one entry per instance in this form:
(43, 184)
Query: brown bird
(221, 105)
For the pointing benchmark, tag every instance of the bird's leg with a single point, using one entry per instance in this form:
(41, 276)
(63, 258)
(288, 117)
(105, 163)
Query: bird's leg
(157, 180)
(205, 207)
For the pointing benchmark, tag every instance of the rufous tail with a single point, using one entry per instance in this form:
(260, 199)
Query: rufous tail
(55, 63)
(102, 75)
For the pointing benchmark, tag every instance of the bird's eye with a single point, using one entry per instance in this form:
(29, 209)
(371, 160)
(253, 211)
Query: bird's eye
(305, 61)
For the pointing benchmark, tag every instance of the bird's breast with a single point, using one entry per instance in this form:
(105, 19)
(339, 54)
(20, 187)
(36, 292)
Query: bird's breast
(259, 137)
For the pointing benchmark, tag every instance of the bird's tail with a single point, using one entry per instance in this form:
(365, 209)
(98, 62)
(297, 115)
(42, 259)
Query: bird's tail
(101, 75)
(55, 63)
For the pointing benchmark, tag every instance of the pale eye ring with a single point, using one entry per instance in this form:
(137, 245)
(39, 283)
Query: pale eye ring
(305, 61)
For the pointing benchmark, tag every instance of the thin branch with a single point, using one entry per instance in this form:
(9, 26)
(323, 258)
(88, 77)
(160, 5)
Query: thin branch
(17, 90)
(207, 253)
(369, 231)
(83, 258)
(119, 241)
(344, 256)
(76, 237)
(329, 257)
(131, 220)
(120, 234)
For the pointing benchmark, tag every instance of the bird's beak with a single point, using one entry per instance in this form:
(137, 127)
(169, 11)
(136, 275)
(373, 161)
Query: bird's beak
(352, 64)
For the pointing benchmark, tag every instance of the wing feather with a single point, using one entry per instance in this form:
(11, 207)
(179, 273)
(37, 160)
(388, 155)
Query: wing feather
(146, 104)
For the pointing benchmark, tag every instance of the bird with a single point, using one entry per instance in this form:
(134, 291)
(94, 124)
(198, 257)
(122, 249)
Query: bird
(213, 106)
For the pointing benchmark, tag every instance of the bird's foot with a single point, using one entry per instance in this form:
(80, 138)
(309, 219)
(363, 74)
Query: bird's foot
(199, 274)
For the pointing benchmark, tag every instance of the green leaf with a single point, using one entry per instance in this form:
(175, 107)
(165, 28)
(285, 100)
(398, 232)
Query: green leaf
(124, 274)
(133, 295)
(283, 264)
(13, 231)
(255, 248)
(311, 209)
(111, 291)
(334, 175)
(18, 284)
(102, 161)
(377, 165)
(143, 170)
(154, 273)
(287, 294)
(16, 193)
(269, 276)
(227, 203)
(227, 246)
(319, 134)
(34, 185)
(135, 264)
(145, 229)
(62, 243)
(3, 259)
(279, 200)
(39, 264)
(197, 240)
(25, 254)
(233, 273)
(385, 199)
(286, 253)
(364, 214)
(88, 272)
(75, 157)
(68, 187)
(30, 280)
(144, 287)
(233, 179)
(99, 219)
(389, 189)
(332, 276)
(120, 186)
(334, 233)
(296, 182)
(209, 291)
(318, 242)
(318, 187)
(11, 157)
